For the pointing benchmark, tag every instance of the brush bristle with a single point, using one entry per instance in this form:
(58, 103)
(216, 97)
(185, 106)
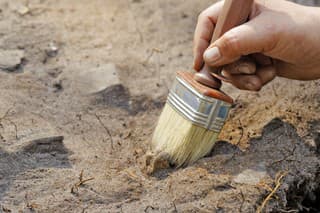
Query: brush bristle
(180, 138)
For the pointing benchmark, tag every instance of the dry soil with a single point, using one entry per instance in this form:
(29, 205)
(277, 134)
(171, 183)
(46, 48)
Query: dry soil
(81, 87)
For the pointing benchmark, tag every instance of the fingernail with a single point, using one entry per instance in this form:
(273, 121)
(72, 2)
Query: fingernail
(212, 54)
(244, 69)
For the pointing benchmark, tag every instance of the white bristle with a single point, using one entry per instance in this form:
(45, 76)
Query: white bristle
(180, 138)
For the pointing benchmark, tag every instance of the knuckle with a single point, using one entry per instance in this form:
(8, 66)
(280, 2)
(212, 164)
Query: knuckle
(256, 86)
(230, 43)
(205, 23)
(231, 68)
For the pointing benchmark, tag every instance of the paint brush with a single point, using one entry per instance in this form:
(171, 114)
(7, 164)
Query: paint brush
(196, 109)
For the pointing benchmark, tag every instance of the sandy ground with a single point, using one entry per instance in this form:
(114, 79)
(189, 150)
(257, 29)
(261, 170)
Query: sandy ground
(80, 98)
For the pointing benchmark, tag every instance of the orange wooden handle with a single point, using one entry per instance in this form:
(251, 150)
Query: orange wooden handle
(234, 13)
(206, 91)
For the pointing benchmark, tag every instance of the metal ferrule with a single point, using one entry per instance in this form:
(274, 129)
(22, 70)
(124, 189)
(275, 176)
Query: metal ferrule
(203, 111)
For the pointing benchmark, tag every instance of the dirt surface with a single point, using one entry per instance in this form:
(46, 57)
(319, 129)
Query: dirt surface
(80, 92)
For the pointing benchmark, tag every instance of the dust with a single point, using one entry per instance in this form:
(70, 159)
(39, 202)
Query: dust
(50, 132)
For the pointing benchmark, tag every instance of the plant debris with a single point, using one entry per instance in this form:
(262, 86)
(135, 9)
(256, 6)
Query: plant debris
(82, 181)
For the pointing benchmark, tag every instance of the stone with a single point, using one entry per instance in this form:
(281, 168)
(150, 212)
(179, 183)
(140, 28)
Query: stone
(251, 176)
(19, 8)
(52, 49)
(97, 79)
(23, 10)
(11, 59)
(155, 162)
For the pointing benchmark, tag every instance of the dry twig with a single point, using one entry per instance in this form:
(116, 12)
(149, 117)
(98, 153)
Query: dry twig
(81, 182)
(31, 206)
(238, 143)
(267, 187)
(153, 50)
(175, 207)
(241, 134)
(278, 179)
(288, 211)
(105, 128)
(242, 202)
(6, 210)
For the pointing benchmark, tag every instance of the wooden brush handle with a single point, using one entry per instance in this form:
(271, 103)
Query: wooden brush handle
(234, 13)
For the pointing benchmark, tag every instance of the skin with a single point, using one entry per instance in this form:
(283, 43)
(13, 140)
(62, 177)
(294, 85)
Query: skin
(280, 39)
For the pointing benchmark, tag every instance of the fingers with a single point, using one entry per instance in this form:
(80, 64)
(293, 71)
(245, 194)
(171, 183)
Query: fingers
(266, 74)
(245, 65)
(199, 48)
(256, 36)
(203, 33)
(244, 82)
(253, 82)
(261, 59)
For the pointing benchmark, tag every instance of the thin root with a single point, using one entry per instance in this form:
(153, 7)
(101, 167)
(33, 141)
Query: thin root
(278, 179)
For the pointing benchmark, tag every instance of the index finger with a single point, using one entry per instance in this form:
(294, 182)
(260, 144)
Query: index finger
(203, 32)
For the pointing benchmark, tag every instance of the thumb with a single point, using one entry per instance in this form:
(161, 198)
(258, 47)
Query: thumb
(256, 36)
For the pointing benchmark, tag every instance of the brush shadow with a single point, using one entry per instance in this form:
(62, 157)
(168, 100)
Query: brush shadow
(223, 147)
(164, 173)
(220, 148)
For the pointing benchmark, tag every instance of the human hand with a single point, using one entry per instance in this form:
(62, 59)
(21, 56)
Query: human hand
(280, 39)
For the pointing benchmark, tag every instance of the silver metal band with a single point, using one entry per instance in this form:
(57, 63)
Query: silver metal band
(204, 111)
